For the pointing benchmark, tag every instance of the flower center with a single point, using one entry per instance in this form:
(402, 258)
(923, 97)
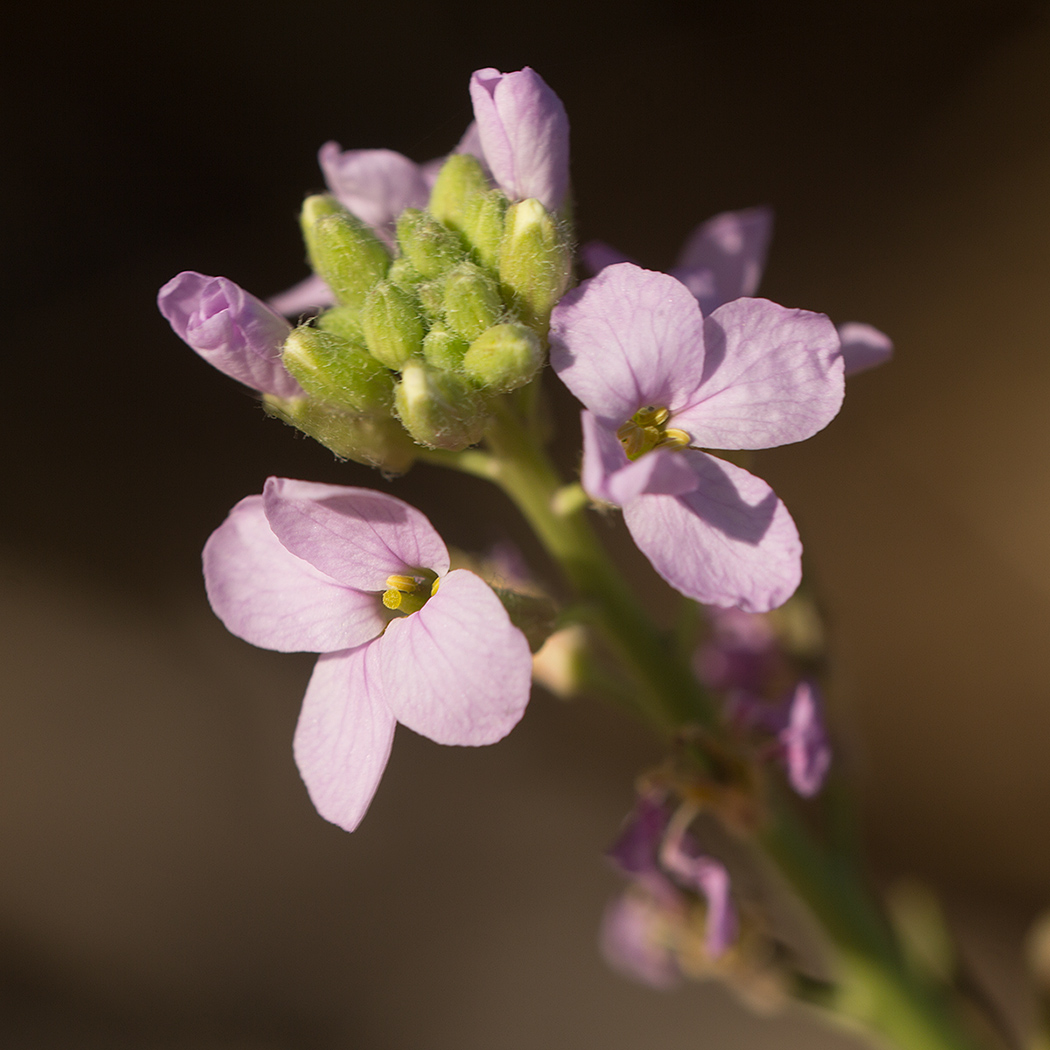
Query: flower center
(408, 594)
(647, 429)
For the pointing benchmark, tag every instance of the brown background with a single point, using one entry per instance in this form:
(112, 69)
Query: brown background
(164, 881)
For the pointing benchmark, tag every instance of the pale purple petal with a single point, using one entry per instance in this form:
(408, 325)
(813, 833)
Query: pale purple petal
(343, 738)
(524, 134)
(774, 376)
(457, 671)
(266, 595)
(723, 258)
(357, 536)
(626, 339)
(308, 296)
(863, 346)
(631, 941)
(807, 751)
(708, 877)
(608, 474)
(596, 255)
(729, 542)
(375, 184)
(231, 329)
(635, 850)
(471, 143)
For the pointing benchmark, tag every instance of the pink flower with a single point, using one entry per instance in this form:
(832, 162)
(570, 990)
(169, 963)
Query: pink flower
(363, 578)
(723, 259)
(660, 383)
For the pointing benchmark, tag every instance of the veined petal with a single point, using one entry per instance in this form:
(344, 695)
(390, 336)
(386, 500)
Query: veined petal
(863, 346)
(231, 329)
(457, 671)
(375, 184)
(724, 257)
(773, 376)
(357, 536)
(626, 339)
(344, 734)
(729, 542)
(308, 296)
(524, 134)
(266, 595)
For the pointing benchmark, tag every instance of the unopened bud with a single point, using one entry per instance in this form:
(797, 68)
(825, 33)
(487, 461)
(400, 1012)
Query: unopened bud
(334, 370)
(460, 180)
(438, 408)
(504, 358)
(482, 225)
(428, 244)
(344, 321)
(534, 263)
(444, 349)
(391, 323)
(471, 301)
(404, 274)
(342, 249)
(377, 441)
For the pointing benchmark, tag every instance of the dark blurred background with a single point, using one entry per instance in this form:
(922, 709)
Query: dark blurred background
(164, 881)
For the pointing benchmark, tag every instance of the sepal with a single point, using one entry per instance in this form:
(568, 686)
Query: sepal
(535, 263)
(428, 244)
(335, 370)
(391, 324)
(504, 357)
(438, 408)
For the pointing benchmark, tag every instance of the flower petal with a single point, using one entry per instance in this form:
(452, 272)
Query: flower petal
(457, 671)
(807, 752)
(524, 134)
(375, 184)
(723, 258)
(231, 329)
(863, 346)
(266, 595)
(357, 536)
(729, 542)
(308, 296)
(344, 734)
(773, 376)
(628, 338)
(634, 940)
(635, 850)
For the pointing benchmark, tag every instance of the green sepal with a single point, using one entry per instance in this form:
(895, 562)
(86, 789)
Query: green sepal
(482, 225)
(376, 441)
(535, 263)
(344, 321)
(471, 300)
(444, 349)
(459, 181)
(391, 324)
(504, 357)
(338, 372)
(404, 274)
(342, 249)
(439, 409)
(428, 244)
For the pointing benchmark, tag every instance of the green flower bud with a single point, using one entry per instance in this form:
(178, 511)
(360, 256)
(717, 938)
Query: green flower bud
(404, 274)
(471, 301)
(343, 321)
(431, 295)
(534, 263)
(334, 370)
(392, 325)
(377, 441)
(444, 349)
(503, 358)
(460, 180)
(430, 246)
(482, 225)
(342, 249)
(438, 408)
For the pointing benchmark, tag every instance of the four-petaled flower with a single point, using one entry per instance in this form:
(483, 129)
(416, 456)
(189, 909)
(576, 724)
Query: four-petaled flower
(660, 383)
(363, 579)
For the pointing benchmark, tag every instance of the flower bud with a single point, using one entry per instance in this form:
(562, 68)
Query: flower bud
(428, 244)
(438, 408)
(444, 349)
(334, 370)
(460, 180)
(343, 321)
(404, 274)
(534, 264)
(391, 323)
(376, 441)
(471, 300)
(483, 222)
(342, 249)
(504, 358)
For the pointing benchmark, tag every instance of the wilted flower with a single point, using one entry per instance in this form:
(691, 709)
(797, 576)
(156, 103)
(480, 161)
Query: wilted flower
(363, 578)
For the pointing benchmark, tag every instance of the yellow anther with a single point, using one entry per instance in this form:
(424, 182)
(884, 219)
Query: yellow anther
(434, 588)
(673, 438)
(392, 598)
(402, 583)
(647, 429)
